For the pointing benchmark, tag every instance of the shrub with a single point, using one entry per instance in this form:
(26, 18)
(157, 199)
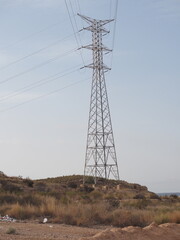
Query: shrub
(11, 230)
(40, 187)
(86, 199)
(113, 203)
(162, 218)
(89, 180)
(124, 218)
(154, 196)
(28, 182)
(139, 196)
(72, 185)
(7, 199)
(9, 187)
(142, 204)
(87, 189)
(56, 195)
(96, 195)
(30, 199)
(22, 212)
(175, 217)
(174, 196)
(2, 174)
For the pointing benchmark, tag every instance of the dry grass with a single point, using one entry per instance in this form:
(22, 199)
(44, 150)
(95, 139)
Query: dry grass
(78, 213)
(62, 200)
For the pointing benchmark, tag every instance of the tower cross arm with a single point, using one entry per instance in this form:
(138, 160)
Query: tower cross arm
(96, 47)
(102, 66)
(92, 20)
(91, 28)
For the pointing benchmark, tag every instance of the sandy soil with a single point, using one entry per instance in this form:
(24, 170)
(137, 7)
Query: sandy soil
(35, 231)
(153, 232)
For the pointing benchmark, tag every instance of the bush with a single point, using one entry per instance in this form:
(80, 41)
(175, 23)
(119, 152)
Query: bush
(124, 218)
(28, 182)
(30, 199)
(72, 185)
(7, 199)
(175, 217)
(89, 180)
(113, 203)
(11, 230)
(139, 196)
(154, 196)
(40, 187)
(174, 196)
(96, 195)
(9, 187)
(142, 204)
(87, 189)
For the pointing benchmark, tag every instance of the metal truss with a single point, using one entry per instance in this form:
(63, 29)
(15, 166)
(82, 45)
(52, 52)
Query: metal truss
(100, 160)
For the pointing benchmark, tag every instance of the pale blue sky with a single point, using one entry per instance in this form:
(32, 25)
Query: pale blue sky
(47, 137)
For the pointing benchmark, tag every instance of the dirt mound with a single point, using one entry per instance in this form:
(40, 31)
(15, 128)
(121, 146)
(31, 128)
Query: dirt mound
(168, 231)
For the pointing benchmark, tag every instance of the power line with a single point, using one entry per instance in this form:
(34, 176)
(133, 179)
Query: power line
(38, 66)
(114, 30)
(79, 11)
(43, 95)
(115, 21)
(74, 30)
(35, 52)
(110, 9)
(75, 21)
(79, 6)
(32, 35)
(37, 84)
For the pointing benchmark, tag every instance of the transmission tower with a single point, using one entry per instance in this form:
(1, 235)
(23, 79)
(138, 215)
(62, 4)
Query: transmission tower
(100, 160)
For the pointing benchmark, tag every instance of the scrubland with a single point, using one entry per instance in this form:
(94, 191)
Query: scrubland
(66, 200)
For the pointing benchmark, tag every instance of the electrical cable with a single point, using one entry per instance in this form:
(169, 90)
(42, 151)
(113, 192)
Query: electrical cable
(79, 11)
(35, 52)
(75, 21)
(32, 35)
(79, 6)
(115, 22)
(38, 84)
(37, 66)
(114, 30)
(43, 95)
(74, 31)
(110, 8)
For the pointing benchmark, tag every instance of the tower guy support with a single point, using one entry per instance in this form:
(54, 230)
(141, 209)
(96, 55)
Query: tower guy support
(100, 160)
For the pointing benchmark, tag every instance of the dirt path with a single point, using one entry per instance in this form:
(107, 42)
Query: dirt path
(167, 231)
(35, 231)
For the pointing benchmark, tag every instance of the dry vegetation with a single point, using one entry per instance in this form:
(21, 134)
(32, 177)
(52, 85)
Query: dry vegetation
(65, 200)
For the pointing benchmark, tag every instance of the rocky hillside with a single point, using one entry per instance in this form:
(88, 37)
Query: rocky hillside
(53, 186)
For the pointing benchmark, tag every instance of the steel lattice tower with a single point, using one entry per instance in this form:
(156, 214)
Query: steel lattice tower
(100, 160)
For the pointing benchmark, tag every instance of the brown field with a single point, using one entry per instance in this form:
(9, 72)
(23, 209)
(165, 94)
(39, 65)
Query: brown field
(36, 231)
(74, 210)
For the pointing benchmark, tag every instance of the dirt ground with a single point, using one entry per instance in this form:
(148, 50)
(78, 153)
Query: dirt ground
(36, 231)
(153, 232)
